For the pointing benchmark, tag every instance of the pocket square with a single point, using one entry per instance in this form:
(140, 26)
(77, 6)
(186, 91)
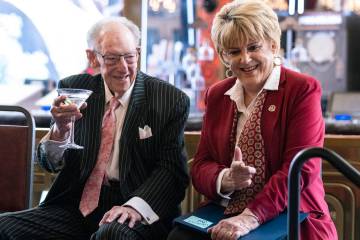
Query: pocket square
(145, 132)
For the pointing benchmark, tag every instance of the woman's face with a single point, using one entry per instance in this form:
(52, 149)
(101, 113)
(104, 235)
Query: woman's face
(251, 63)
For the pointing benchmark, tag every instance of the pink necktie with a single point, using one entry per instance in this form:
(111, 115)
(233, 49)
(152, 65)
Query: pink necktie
(91, 193)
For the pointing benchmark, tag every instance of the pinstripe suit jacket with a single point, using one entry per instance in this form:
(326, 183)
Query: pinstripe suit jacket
(153, 169)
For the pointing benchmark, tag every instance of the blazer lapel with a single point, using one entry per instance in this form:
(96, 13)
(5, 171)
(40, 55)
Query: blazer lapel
(271, 114)
(135, 115)
(227, 120)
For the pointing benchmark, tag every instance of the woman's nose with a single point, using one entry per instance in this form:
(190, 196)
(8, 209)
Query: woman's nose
(244, 57)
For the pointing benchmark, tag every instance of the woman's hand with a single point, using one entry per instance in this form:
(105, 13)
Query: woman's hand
(238, 176)
(234, 227)
(121, 214)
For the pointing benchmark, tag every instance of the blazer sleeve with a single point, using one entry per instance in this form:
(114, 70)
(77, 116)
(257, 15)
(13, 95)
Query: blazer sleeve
(303, 127)
(207, 164)
(164, 189)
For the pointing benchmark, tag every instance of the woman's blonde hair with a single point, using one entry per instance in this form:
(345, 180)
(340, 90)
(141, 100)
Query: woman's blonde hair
(242, 21)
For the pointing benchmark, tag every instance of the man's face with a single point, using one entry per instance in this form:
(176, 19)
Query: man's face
(117, 54)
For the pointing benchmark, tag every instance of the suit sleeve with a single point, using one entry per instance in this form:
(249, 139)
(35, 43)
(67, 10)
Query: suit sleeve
(304, 128)
(50, 156)
(164, 189)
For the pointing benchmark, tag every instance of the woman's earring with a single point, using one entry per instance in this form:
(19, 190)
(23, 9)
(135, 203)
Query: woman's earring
(277, 60)
(229, 73)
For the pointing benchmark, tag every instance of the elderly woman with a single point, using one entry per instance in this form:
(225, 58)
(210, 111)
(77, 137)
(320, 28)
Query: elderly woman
(256, 120)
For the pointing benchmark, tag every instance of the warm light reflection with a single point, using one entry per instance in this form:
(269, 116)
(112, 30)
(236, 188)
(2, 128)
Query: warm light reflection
(337, 6)
(155, 5)
(330, 5)
(169, 5)
(353, 6)
(281, 5)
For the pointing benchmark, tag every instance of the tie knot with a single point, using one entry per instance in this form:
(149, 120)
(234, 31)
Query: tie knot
(114, 103)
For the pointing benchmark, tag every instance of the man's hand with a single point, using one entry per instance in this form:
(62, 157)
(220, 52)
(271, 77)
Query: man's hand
(238, 176)
(122, 214)
(234, 227)
(62, 113)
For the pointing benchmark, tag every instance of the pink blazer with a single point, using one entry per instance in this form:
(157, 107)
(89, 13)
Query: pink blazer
(295, 123)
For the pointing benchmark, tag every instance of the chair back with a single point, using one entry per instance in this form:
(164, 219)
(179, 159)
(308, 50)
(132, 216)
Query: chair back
(17, 145)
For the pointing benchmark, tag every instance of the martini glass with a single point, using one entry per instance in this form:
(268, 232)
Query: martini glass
(77, 97)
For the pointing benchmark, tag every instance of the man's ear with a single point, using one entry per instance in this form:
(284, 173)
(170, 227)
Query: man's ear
(93, 61)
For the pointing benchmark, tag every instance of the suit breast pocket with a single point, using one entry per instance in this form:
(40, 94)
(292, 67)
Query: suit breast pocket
(149, 152)
(146, 145)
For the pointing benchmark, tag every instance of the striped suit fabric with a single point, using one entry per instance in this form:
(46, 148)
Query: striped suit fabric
(153, 169)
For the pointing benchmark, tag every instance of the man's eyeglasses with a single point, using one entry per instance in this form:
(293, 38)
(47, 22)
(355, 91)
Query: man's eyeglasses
(113, 59)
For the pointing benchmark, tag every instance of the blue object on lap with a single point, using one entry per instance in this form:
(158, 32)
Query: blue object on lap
(209, 215)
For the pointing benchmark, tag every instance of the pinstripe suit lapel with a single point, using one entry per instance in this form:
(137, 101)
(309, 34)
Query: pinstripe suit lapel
(133, 120)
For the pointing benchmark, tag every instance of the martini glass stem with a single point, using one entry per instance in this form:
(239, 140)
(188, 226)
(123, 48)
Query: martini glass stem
(72, 130)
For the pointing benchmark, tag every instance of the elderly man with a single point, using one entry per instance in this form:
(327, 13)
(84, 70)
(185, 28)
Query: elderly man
(130, 177)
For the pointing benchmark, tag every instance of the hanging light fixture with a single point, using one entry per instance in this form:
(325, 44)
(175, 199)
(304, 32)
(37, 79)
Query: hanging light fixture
(169, 5)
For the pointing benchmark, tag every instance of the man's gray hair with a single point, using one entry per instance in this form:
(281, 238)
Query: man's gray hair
(95, 30)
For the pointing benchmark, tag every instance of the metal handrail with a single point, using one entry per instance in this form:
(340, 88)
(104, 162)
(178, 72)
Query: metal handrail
(294, 181)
